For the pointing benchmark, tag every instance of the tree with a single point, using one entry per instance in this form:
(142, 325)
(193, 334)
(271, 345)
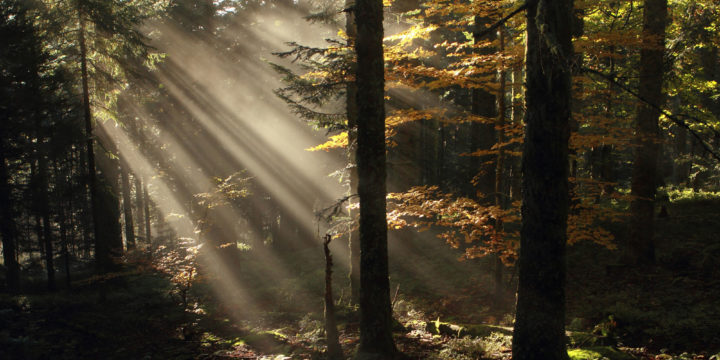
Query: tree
(8, 228)
(375, 313)
(351, 111)
(540, 318)
(127, 206)
(645, 177)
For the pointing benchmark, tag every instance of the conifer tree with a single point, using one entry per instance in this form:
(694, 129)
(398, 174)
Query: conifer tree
(375, 314)
(645, 175)
(539, 331)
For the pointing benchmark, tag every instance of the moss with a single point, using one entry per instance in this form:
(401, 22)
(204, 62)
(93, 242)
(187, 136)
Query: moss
(599, 352)
(267, 341)
(586, 339)
(438, 327)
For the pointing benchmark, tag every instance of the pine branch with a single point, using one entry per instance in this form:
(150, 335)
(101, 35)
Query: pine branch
(670, 116)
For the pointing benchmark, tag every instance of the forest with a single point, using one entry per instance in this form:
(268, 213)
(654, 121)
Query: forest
(360, 179)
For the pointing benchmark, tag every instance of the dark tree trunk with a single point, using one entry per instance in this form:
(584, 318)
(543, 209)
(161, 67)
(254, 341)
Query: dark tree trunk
(483, 133)
(42, 205)
(139, 205)
(644, 177)
(8, 227)
(64, 243)
(103, 260)
(375, 315)
(108, 203)
(110, 184)
(44, 208)
(499, 169)
(352, 116)
(127, 206)
(517, 118)
(540, 318)
(146, 206)
(334, 350)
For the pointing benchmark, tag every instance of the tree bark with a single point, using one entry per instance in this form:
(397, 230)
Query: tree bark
(644, 176)
(499, 169)
(517, 118)
(44, 208)
(483, 133)
(352, 116)
(8, 227)
(103, 260)
(375, 314)
(127, 206)
(146, 206)
(540, 317)
(334, 350)
(139, 204)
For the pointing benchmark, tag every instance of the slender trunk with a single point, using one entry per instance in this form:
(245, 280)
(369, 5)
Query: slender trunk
(63, 217)
(644, 178)
(109, 179)
(517, 114)
(146, 205)
(334, 351)
(139, 205)
(42, 203)
(352, 116)
(127, 206)
(102, 249)
(65, 247)
(8, 227)
(539, 331)
(376, 340)
(499, 167)
(578, 29)
(46, 226)
(483, 133)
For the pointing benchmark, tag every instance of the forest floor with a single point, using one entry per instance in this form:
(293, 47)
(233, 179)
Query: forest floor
(670, 311)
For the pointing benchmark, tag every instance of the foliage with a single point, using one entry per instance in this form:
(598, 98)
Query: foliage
(465, 220)
(181, 265)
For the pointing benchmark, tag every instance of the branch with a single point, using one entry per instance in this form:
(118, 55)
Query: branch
(505, 19)
(334, 209)
(670, 116)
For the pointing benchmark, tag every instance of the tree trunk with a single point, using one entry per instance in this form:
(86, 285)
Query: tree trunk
(499, 168)
(110, 184)
(44, 208)
(352, 116)
(644, 177)
(65, 245)
(8, 227)
(334, 351)
(483, 133)
(127, 206)
(103, 260)
(139, 204)
(517, 118)
(146, 206)
(42, 205)
(540, 317)
(375, 314)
